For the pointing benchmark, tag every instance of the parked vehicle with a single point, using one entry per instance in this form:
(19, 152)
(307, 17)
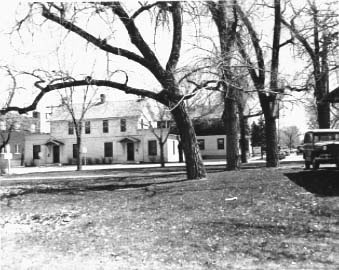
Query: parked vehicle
(321, 146)
(281, 155)
(286, 151)
(294, 151)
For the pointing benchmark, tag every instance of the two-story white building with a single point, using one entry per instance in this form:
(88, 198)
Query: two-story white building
(112, 132)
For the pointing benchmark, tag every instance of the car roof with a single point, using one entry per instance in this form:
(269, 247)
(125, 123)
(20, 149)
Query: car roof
(325, 130)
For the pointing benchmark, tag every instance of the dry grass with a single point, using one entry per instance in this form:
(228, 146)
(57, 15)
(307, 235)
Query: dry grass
(252, 219)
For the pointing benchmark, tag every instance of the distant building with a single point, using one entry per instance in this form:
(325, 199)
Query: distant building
(211, 137)
(113, 132)
(14, 128)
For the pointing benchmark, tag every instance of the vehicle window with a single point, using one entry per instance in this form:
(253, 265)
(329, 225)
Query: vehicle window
(308, 138)
(326, 137)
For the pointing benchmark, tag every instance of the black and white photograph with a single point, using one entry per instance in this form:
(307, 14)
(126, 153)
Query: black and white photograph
(169, 135)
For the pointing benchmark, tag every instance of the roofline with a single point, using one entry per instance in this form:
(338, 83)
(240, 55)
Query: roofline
(103, 118)
(323, 130)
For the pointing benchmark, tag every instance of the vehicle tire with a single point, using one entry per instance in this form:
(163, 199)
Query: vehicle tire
(315, 165)
(307, 165)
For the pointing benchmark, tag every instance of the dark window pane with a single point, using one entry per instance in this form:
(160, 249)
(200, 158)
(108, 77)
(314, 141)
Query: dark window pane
(152, 148)
(105, 126)
(70, 128)
(87, 127)
(108, 149)
(75, 149)
(36, 151)
(122, 125)
(221, 143)
(201, 143)
(161, 124)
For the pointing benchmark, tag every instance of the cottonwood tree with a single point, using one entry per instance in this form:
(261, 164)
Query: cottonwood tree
(268, 97)
(66, 15)
(225, 17)
(245, 114)
(315, 29)
(220, 73)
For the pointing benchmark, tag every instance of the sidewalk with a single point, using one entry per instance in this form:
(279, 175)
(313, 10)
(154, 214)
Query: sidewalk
(22, 171)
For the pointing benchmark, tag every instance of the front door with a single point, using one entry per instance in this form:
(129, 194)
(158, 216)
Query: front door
(56, 154)
(130, 151)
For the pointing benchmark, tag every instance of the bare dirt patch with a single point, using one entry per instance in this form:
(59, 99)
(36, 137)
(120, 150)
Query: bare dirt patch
(252, 219)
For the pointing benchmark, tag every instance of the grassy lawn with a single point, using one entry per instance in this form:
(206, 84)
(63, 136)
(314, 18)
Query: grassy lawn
(252, 219)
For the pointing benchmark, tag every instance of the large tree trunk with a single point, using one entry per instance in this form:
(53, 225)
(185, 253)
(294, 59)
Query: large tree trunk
(223, 14)
(243, 137)
(79, 155)
(271, 142)
(230, 118)
(321, 90)
(323, 111)
(194, 165)
(321, 75)
(162, 156)
(180, 151)
(271, 111)
(243, 127)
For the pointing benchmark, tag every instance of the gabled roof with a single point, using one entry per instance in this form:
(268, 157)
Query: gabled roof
(129, 139)
(108, 109)
(53, 141)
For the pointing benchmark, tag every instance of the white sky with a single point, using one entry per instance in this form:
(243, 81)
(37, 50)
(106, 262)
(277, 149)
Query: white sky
(74, 55)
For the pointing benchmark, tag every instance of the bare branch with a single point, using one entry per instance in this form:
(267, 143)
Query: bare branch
(51, 87)
(152, 62)
(253, 115)
(301, 39)
(142, 9)
(191, 72)
(177, 36)
(102, 44)
(256, 44)
(289, 41)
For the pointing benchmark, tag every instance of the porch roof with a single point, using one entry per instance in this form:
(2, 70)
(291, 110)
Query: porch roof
(129, 139)
(52, 141)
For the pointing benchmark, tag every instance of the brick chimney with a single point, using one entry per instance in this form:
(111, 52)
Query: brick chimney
(102, 98)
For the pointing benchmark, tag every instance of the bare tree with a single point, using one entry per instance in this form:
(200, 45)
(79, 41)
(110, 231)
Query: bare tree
(316, 30)
(77, 111)
(225, 17)
(14, 126)
(8, 126)
(65, 16)
(9, 122)
(268, 99)
(161, 128)
(290, 136)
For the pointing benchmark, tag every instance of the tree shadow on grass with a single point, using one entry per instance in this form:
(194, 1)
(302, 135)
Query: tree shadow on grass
(53, 189)
(321, 182)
